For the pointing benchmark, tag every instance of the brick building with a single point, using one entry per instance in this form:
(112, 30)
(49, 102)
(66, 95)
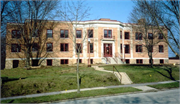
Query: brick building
(111, 42)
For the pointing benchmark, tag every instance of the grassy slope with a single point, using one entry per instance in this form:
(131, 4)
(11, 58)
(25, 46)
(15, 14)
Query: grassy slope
(143, 74)
(52, 79)
(166, 86)
(72, 95)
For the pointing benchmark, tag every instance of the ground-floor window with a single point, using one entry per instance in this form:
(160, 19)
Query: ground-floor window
(91, 61)
(49, 62)
(161, 61)
(139, 61)
(127, 61)
(35, 62)
(15, 63)
(64, 61)
(80, 61)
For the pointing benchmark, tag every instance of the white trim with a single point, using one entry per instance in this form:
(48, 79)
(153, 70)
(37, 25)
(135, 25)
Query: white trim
(54, 58)
(144, 58)
(102, 47)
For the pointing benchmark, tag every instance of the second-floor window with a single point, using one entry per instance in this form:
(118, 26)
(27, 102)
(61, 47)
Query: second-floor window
(107, 33)
(35, 47)
(15, 48)
(64, 47)
(91, 47)
(138, 36)
(78, 33)
(90, 33)
(150, 48)
(138, 48)
(160, 36)
(126, 35)
(161, 50)
(120, 34)
(49, 47)
(49, 33)
(79, 47)
(150, 36)
(64, 34)
(36, 33)
(127, 48)
(16, 34)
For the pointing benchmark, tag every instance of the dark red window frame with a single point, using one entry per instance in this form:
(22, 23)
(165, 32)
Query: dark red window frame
(139, 48)
(77, 34)
(127, 50)
(150, 35)
(90, 33)
(161, 61)
(51, 36)
(160, 36)
(161, 49)
(91, 48)
(49, 62)
(64, 47)
(108, 35)
(49, 50)
(139, 61)
(138, 36)
(64, 61)
(126, 35)
(63, 33)
(79, 44)
(16, 35)
(17, 48)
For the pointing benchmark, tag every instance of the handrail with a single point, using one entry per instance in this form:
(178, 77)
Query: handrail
(118, 72)
(107, 60)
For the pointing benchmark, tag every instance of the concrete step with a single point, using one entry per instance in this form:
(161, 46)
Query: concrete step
(125, 78)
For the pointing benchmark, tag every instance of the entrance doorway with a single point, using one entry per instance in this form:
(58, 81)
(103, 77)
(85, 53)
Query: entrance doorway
(107, 50)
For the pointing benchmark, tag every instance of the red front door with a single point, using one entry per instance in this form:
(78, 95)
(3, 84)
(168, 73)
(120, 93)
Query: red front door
(107, 50)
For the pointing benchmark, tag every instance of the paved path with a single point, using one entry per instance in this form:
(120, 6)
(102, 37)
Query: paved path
(121, 76)
(160, 97)
(85, 89)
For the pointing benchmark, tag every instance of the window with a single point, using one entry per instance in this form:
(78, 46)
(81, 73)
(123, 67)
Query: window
(80, 60)
(126, 35)
(64, 61)
(138, 48)
(160, 36)
(15, 63)
(138, 36)
(127, 48)
(64, 47)
(35, 62)
(78, 33)
(16, 34)
(49, 34)
(49, 47)
(127, 61)
(161, 50)
(35, 47)
(139, 61)
(121, 48)
(90, 33)
(49, 62)
(15, 48)
(107, 33)
(91, 48)
(91, 61)
(150, 36)
(150, 61)
(120, 34)
(64, 34)
(161, 61)
(150, 48)
(35, 34)
(79, 47)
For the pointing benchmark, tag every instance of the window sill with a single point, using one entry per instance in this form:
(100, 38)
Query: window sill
(64, 51)
(127, 53)
(63, 38)
(139, 52)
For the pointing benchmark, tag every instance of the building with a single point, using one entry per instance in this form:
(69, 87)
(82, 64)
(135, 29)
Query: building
(111, 42)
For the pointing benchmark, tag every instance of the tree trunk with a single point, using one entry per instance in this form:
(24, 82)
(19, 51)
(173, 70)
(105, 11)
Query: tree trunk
(77, 71)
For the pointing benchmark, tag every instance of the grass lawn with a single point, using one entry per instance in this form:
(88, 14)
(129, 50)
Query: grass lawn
(166, 86)
(144, 74)
(50, 79)
(72, 95)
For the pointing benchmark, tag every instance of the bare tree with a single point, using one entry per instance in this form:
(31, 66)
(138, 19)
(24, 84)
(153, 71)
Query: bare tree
(74, 13)
(164, 13)
(30, 18)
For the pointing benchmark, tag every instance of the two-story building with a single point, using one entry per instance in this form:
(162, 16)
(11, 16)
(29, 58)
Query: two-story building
(111, 42)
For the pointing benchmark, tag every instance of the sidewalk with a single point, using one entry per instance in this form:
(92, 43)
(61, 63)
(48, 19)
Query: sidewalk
(141, 86)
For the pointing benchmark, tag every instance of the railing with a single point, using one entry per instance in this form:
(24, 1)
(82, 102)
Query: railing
(117, 72)
(107, 60)
(108, 38)
(115, 60)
